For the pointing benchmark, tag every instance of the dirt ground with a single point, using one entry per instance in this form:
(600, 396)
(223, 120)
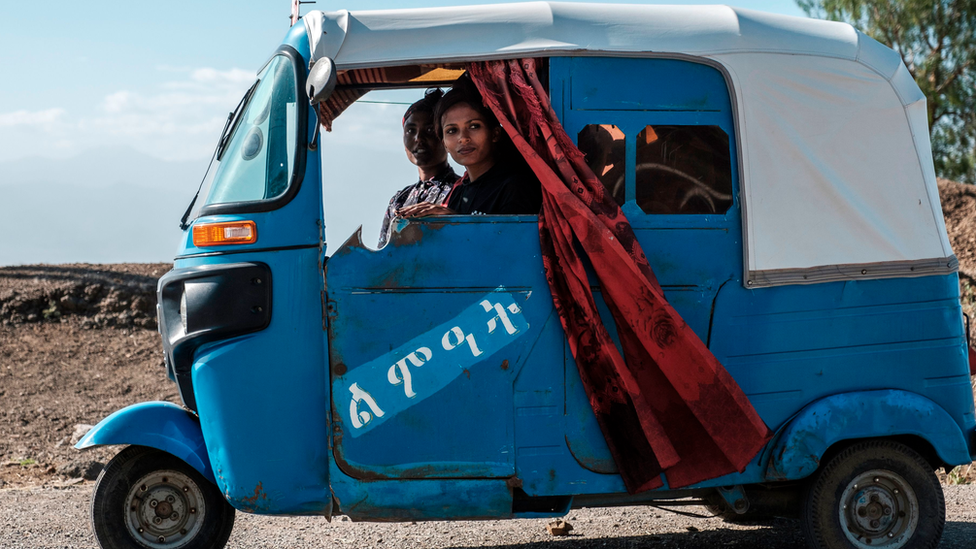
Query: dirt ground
(78, 342)
(64, 525)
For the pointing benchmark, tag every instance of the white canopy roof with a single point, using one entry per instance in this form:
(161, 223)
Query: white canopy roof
(837, 175)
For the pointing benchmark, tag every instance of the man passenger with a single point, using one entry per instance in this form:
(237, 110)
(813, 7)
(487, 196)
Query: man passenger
(427, 152)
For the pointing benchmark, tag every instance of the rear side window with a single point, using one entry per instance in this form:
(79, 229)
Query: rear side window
(683, 170)
(604, 146)
(673, 153)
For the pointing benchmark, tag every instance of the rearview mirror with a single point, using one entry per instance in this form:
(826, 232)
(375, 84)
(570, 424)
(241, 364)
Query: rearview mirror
(321, 80)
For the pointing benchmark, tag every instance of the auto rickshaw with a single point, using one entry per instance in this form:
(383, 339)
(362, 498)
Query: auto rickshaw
(778, 175)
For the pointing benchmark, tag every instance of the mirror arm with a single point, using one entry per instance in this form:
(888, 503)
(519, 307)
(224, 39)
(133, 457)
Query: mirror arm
(313, 143)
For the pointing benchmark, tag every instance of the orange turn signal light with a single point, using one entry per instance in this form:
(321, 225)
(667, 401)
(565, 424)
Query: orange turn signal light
(224, 234)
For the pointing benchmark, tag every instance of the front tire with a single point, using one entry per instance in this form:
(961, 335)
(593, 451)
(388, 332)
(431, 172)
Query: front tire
(874, 494)
(149, 499)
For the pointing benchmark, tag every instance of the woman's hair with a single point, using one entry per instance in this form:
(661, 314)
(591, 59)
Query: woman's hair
(463, 91)
(427, 104)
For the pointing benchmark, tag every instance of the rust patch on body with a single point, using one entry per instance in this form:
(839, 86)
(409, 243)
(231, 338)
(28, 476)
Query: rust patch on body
(413, 232)
(467, 373)
(346, 467)
(354, 242)
(392, 279)
(339, 369)
(505, 364)
(407, 236)
(258, 501)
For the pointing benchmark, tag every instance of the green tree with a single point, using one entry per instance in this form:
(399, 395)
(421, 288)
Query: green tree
(937, 41)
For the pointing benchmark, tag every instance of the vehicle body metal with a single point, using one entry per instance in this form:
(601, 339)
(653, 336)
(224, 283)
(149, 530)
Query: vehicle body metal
(431, 379)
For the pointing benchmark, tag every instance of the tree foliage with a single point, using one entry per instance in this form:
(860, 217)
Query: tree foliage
(937, 41)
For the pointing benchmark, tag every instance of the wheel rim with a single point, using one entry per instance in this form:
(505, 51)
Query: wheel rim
(879, 509)
(164, 510)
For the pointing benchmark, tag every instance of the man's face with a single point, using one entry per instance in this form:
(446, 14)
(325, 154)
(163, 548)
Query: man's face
(420, 141)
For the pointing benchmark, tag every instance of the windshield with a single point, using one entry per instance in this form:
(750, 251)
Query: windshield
(259, 158)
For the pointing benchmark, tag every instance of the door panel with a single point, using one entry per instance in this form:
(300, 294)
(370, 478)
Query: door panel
(427, 337)
(692, 255)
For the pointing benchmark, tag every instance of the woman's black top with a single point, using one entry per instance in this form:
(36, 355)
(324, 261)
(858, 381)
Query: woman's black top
(502, 190)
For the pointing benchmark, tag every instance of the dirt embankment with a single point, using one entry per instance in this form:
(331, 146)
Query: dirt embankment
(959, 209)
(78, 342)
(122, 296)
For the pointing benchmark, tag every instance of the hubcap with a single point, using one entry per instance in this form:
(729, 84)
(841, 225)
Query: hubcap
(879, 509)
(164, 510)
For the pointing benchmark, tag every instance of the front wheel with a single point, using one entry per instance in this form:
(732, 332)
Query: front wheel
(874, 494)
(149, 499)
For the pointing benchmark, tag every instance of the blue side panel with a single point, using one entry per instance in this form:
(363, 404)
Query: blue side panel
(406, 500)
(560, 446)
(263, 398)
(161, 425)
(792, 345)
(613, 84)
(797, 449)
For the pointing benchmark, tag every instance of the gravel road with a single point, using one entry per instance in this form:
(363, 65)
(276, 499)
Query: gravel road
(42, 518)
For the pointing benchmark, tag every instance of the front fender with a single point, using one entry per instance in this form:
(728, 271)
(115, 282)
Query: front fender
(797, 449)
(161, 425)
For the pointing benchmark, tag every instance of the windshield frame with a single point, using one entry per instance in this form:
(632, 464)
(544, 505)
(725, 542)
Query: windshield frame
(301, 146)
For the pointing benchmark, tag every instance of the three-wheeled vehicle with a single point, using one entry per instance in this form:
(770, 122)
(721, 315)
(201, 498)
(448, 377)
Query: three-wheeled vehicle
(777, 172)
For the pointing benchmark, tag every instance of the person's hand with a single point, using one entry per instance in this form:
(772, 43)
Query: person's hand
(424, 209)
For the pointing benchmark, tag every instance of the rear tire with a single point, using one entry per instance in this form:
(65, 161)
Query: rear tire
(874, 494)
(149, 499)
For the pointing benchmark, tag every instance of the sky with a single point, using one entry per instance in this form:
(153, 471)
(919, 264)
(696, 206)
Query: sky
(109, 111)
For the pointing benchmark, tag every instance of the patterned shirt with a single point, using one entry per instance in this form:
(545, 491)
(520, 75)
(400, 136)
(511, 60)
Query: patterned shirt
(434, 190)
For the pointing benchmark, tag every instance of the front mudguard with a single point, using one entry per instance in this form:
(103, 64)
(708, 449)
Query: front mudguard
(161, 425)
(798, 447)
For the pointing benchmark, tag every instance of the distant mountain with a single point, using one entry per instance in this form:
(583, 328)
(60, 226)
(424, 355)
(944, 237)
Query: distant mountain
(100, 207)
(103, 167)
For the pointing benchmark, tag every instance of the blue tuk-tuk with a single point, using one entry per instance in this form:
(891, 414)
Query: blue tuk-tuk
(778, 174)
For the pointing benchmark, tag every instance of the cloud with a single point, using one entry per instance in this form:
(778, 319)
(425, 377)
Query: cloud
(116, 102)
(176, 117)
(368, 125)
(45, 118)
(234, 76)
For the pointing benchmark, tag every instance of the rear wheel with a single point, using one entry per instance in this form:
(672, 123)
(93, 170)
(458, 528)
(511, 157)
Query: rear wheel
(874, 494)
(147, 498)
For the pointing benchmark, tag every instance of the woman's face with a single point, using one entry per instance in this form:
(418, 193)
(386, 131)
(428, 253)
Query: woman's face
(420, 141)
(469, 139)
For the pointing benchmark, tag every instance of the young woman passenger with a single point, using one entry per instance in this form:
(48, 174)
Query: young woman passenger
(497, 180)
(426, 151)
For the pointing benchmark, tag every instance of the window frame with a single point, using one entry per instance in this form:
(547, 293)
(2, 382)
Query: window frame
(301, 148)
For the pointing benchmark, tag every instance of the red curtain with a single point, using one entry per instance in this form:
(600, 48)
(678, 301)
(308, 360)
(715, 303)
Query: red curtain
(669, 406)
